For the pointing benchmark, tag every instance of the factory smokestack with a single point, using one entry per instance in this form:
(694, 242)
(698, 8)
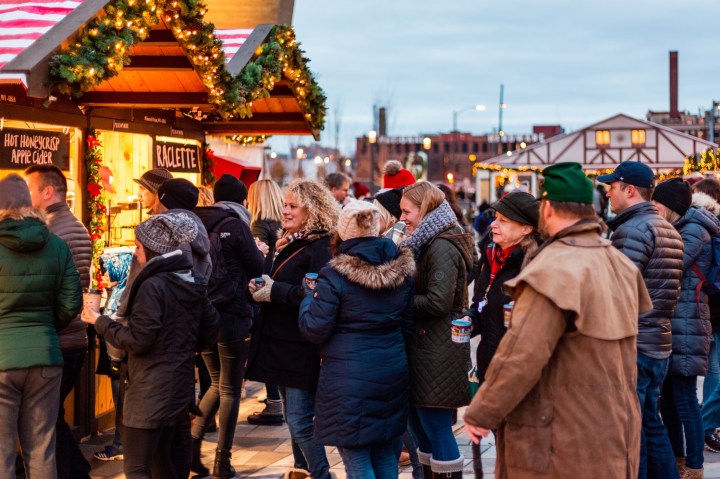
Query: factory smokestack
(674, 113)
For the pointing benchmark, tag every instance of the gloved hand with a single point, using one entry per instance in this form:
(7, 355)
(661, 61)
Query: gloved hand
(262, 295)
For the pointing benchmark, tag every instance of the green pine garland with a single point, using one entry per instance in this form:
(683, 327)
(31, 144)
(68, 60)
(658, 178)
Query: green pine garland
(103, 48)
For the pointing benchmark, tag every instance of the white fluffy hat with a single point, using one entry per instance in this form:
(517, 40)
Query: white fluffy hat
(358, 219)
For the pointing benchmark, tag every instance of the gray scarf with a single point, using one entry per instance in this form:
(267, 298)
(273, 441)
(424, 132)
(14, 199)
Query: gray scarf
(434, 222)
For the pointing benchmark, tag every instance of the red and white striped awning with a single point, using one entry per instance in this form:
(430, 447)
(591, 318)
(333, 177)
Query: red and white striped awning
(23, 22)
(232, 40)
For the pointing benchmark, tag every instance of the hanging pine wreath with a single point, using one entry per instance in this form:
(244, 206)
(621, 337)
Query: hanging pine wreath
(96, 206)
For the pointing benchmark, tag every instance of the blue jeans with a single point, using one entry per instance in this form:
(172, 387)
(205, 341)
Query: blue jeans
(711, 397)
(657, 460)
(712, 378)
(681, 415)
(376, 461)
(432, 428)
(299, 407)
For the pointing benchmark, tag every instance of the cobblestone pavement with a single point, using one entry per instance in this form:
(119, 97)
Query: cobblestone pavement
(265, 452)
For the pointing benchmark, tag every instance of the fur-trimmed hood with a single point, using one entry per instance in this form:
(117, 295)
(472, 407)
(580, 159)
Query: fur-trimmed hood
(359, 269)
(706, 201)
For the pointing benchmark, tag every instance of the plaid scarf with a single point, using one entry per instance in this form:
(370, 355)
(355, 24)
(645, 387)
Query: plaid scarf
(287, 239)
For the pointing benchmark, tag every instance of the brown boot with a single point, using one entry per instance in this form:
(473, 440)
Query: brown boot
(680, 462)
(687, 473)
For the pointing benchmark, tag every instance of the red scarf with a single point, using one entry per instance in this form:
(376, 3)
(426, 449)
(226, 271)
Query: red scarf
(497, 257)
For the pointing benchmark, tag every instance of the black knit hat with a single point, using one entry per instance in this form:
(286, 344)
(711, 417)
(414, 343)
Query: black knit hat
(152, 179)
(178, 193)
(675, 194)
(229, 188)
(519, 206)
(390, 200)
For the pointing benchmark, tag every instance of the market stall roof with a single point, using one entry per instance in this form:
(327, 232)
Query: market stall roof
(111, 56)
(609, 142)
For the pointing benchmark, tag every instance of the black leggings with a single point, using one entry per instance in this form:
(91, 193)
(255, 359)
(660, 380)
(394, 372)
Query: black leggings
(162, 453)
(226, 364)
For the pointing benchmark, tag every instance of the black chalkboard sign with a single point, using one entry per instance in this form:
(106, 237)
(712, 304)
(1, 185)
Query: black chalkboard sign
(22, 148)
(176, 157)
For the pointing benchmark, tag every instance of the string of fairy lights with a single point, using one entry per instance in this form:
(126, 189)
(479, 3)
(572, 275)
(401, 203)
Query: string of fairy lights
(103, 49)
(706, 161)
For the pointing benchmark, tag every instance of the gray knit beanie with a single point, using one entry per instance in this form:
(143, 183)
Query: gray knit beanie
(165, 233)
(14, 193)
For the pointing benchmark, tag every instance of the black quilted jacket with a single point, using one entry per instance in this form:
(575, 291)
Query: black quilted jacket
(657, 249)
(438, 366)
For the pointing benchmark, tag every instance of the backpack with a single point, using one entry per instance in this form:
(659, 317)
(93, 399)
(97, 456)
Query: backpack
(222, 286)
(711, 284)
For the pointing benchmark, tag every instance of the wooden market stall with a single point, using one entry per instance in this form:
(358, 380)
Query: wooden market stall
(119, 87)
(598, 148)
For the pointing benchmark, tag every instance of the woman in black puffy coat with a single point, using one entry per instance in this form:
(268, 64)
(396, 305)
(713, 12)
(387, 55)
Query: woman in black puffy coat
(357, 313)
(691, 330)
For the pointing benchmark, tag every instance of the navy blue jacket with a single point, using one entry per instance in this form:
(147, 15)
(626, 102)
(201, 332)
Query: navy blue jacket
(691, 329)
(656, 248)
(358, 312)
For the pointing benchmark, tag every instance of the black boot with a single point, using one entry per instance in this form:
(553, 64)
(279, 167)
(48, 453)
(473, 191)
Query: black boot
(427, 471)
(196, 465)
(222, 468)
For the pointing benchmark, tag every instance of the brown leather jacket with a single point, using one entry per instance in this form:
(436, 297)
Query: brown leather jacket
(561, 387)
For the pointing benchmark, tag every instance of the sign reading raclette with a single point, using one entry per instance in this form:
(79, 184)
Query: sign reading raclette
(176, 157)
(20, 149)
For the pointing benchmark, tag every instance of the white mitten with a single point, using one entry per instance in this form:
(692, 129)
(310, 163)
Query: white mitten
(262, 295)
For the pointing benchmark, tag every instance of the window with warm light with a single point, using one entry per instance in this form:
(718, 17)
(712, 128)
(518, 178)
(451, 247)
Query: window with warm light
(638, 137)
(602, 137)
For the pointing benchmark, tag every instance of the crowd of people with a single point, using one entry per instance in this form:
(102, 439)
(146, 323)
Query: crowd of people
(354, 313)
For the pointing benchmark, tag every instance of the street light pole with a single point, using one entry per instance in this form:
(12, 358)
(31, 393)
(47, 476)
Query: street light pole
(455, 130)
(372, 139)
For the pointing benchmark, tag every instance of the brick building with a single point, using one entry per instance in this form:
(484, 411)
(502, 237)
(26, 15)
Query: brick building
(447, 153)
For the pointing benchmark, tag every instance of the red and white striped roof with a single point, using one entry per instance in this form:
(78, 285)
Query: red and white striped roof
(24, 21)
(232, 40)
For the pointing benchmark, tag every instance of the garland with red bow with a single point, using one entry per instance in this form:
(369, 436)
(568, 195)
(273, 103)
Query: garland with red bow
(96, 206)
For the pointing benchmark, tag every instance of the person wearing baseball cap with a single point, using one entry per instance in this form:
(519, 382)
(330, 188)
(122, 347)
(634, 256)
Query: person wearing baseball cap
(149, 183)
(656, 248)
(569, 349)
(169, 316)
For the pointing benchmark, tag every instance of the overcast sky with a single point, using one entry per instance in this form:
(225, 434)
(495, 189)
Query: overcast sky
(562, 62)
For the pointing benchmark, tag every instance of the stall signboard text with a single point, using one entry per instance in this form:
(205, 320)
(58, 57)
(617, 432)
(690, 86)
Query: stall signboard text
(176, 157)
(20, 149)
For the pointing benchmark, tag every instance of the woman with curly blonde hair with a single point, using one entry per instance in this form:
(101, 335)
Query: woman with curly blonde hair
(278, 353)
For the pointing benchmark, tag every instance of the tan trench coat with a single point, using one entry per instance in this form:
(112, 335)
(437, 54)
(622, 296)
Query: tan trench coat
(561, 387)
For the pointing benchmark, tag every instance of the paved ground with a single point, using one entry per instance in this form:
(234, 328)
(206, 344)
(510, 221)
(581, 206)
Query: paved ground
(265, 452)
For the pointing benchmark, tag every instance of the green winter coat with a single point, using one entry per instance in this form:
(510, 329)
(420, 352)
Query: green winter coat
(39, 291)
(438, 366)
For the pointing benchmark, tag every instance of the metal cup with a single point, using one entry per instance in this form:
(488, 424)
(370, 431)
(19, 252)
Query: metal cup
(311, 280)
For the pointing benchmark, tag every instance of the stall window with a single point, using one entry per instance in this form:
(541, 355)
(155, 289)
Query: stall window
(638, 138)
(602, 138)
